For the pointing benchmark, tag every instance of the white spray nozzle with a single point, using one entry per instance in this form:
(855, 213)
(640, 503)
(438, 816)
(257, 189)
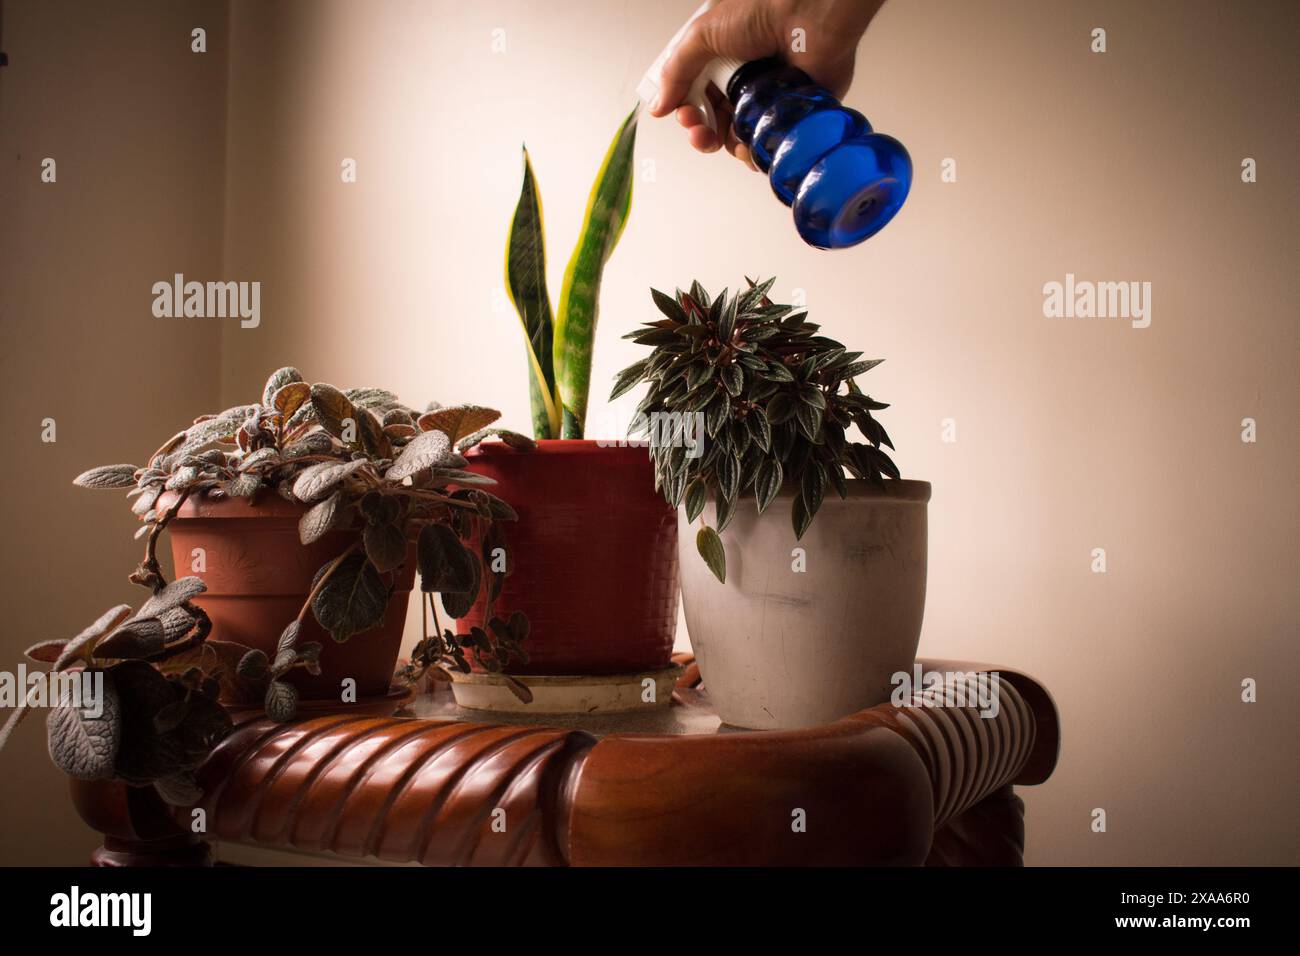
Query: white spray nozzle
(718, 72)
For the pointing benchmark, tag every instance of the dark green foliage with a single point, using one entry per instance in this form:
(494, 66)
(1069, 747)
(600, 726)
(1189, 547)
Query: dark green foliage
(776, 398)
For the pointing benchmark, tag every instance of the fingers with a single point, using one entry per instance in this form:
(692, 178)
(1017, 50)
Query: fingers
(698, 132)
(685, 64)
(707, 140)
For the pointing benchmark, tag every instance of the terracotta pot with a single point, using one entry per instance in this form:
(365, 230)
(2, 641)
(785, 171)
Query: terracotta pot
(258, 576)
(593, 556)
(780, 648)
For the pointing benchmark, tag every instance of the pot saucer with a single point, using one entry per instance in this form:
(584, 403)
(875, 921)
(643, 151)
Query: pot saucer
(564, 694)
(375, 705)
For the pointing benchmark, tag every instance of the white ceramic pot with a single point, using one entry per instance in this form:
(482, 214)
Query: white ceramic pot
(780, 647)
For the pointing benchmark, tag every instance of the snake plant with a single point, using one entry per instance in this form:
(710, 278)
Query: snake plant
(560, 344)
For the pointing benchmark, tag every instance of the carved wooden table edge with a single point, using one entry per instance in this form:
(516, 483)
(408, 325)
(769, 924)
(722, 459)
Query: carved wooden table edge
(889, 785)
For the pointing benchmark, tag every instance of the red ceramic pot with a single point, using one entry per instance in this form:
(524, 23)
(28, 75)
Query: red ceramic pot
(259, 574)
(592, 558)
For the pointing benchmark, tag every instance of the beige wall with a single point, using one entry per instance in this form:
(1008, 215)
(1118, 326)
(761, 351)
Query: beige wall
(1071, 434)
(134, 122)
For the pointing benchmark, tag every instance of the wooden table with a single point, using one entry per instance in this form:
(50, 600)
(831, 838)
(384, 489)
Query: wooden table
(886, 786)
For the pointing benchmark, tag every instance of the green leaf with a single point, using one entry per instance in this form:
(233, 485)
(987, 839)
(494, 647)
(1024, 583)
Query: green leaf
(781, 408)
(697, 496)
(728, 473)
(759, 429)
(857, 368)
(602, 225)
(669, 306)
(768, 482)
(813, 487)
(628, 379)
(812, 395)
(353, 600)
(526, 287)
(724, 510)
(809, 419)
(709, 544)
(800, 517)
(718, 411)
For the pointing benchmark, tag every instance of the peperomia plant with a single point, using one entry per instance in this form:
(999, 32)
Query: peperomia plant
(360, 462)
(559, 350)
(776, 400)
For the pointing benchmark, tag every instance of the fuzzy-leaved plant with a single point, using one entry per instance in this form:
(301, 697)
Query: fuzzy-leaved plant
(360, 462)
(776, 399)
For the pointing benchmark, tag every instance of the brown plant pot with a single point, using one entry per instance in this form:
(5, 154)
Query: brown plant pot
(592, 558)
(258, 576)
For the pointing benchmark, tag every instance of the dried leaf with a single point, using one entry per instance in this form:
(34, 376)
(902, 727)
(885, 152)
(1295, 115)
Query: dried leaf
(458, 421)
(353, 600)
(45, 652)
(173, 595)
(83, 746)
(316, 481)
(81, 645)
(137, 638)
(107, 476)
(445, 564)
(385, 546)
(219, 658)
(281, 702)
(317, 521)
(513, 439)
(333, 410)
(179, 789)
(432, 449)
(289, 636)
(289, 398)
(313, 443)
(244, 486)
(254, 665)
(278, 380)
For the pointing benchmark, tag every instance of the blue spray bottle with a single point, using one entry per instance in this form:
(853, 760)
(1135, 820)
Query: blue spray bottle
(844, 181)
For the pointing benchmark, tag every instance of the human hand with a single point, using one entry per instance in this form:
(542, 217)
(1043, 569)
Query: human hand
(751, 30)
